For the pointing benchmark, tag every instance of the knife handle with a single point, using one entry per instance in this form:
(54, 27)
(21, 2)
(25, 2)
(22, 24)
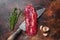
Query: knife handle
(11, 37)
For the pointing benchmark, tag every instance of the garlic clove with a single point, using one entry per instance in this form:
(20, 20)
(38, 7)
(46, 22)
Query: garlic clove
(45, 34)
(41, 27)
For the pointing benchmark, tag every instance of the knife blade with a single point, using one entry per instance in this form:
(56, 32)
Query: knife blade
(22, 25)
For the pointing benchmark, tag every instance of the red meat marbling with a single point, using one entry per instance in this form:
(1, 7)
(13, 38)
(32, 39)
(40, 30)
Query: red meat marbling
(30, 20)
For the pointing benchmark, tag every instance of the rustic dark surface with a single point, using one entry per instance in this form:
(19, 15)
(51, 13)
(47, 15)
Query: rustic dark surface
(50, 18)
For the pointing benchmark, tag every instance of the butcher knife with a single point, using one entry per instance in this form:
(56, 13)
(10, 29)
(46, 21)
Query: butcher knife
(22, 26)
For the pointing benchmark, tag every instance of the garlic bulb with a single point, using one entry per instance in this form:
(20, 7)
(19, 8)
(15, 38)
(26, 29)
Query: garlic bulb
(45, 29)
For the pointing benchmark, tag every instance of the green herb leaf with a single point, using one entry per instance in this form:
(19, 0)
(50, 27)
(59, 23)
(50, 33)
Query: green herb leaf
(13, 18)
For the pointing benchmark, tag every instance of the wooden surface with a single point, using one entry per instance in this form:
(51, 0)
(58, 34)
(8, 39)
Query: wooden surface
(50, 18)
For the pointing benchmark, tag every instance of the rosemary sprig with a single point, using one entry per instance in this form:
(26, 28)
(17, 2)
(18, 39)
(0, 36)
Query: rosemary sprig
(14, 18)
